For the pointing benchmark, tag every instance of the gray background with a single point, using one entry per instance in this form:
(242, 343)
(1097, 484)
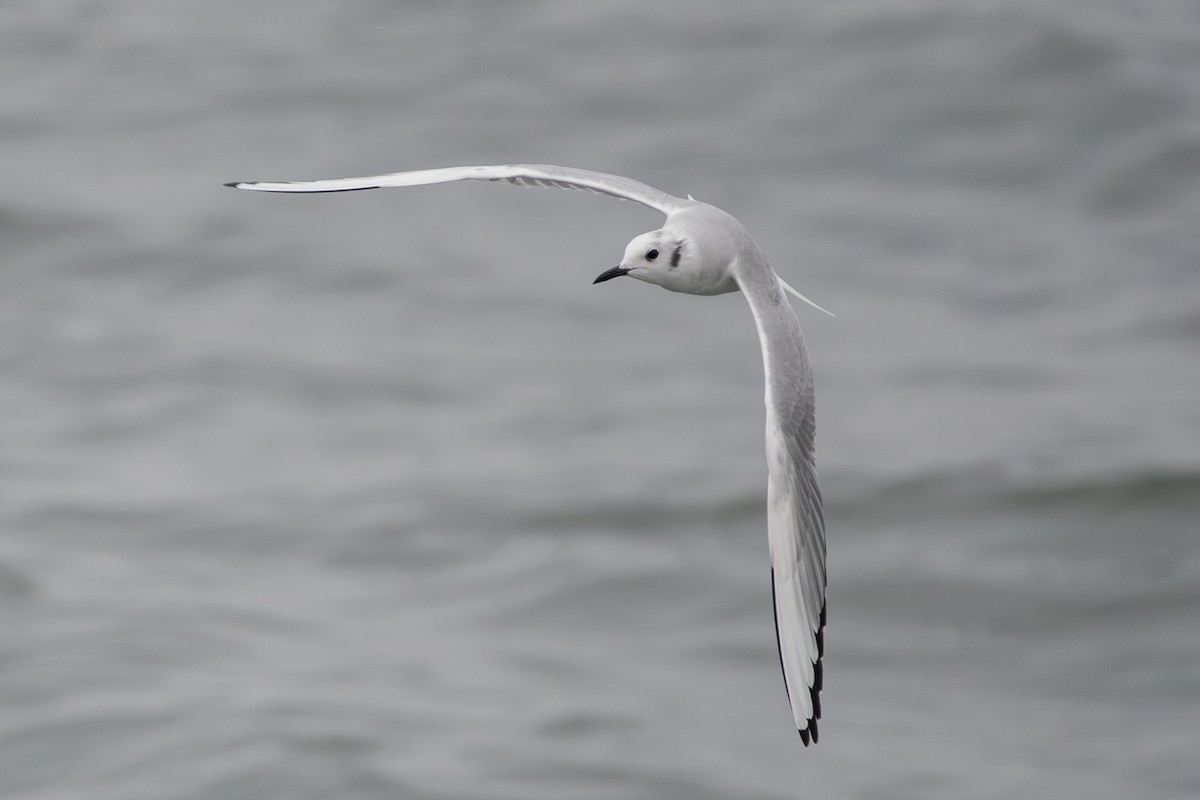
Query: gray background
(374, 495)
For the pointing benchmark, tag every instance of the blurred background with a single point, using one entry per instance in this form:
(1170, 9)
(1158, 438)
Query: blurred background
(374, 495)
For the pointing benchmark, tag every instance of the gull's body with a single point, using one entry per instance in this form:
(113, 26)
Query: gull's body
(702, 250)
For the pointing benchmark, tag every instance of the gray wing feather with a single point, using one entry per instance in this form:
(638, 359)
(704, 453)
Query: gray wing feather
(544, 175)
(795, 519)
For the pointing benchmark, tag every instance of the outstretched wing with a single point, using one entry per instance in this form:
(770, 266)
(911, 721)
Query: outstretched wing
(545, 175)
(795, 520)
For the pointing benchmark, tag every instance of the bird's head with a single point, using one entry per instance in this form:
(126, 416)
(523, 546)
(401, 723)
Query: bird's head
(661, 257)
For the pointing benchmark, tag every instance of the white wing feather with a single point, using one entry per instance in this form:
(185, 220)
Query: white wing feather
(544, 175)
(795, 519)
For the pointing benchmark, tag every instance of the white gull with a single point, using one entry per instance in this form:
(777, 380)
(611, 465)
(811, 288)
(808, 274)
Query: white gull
(702, 250)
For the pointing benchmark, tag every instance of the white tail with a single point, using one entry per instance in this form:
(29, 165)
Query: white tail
(784, 284)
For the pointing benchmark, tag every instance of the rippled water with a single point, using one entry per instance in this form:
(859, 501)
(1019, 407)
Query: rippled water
(373, 495)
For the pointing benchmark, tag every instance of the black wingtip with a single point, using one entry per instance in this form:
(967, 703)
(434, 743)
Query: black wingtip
(807, 735)
(335, 191)
(818, 674)
(249, 184)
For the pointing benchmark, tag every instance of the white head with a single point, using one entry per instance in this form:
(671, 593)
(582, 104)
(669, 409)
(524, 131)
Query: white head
(674, 261)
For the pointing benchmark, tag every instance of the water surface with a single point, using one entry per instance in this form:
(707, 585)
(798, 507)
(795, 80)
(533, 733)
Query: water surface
(373, 495)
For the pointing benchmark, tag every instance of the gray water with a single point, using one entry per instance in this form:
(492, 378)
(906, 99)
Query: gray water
(375, 496)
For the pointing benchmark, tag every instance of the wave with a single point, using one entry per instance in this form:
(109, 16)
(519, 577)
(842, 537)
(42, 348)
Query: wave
(948, 491)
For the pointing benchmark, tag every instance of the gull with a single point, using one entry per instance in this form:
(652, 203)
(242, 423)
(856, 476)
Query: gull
(702, 250)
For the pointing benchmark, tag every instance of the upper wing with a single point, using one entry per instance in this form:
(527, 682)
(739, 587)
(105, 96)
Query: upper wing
(795, 520)
(517, 174)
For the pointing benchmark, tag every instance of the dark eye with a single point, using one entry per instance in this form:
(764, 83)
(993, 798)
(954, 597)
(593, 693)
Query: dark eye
(651, 255)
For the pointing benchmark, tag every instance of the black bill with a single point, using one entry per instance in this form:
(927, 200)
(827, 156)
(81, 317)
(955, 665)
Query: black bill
(615, 272)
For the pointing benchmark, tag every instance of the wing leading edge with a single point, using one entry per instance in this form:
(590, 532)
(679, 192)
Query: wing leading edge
(543, 175)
